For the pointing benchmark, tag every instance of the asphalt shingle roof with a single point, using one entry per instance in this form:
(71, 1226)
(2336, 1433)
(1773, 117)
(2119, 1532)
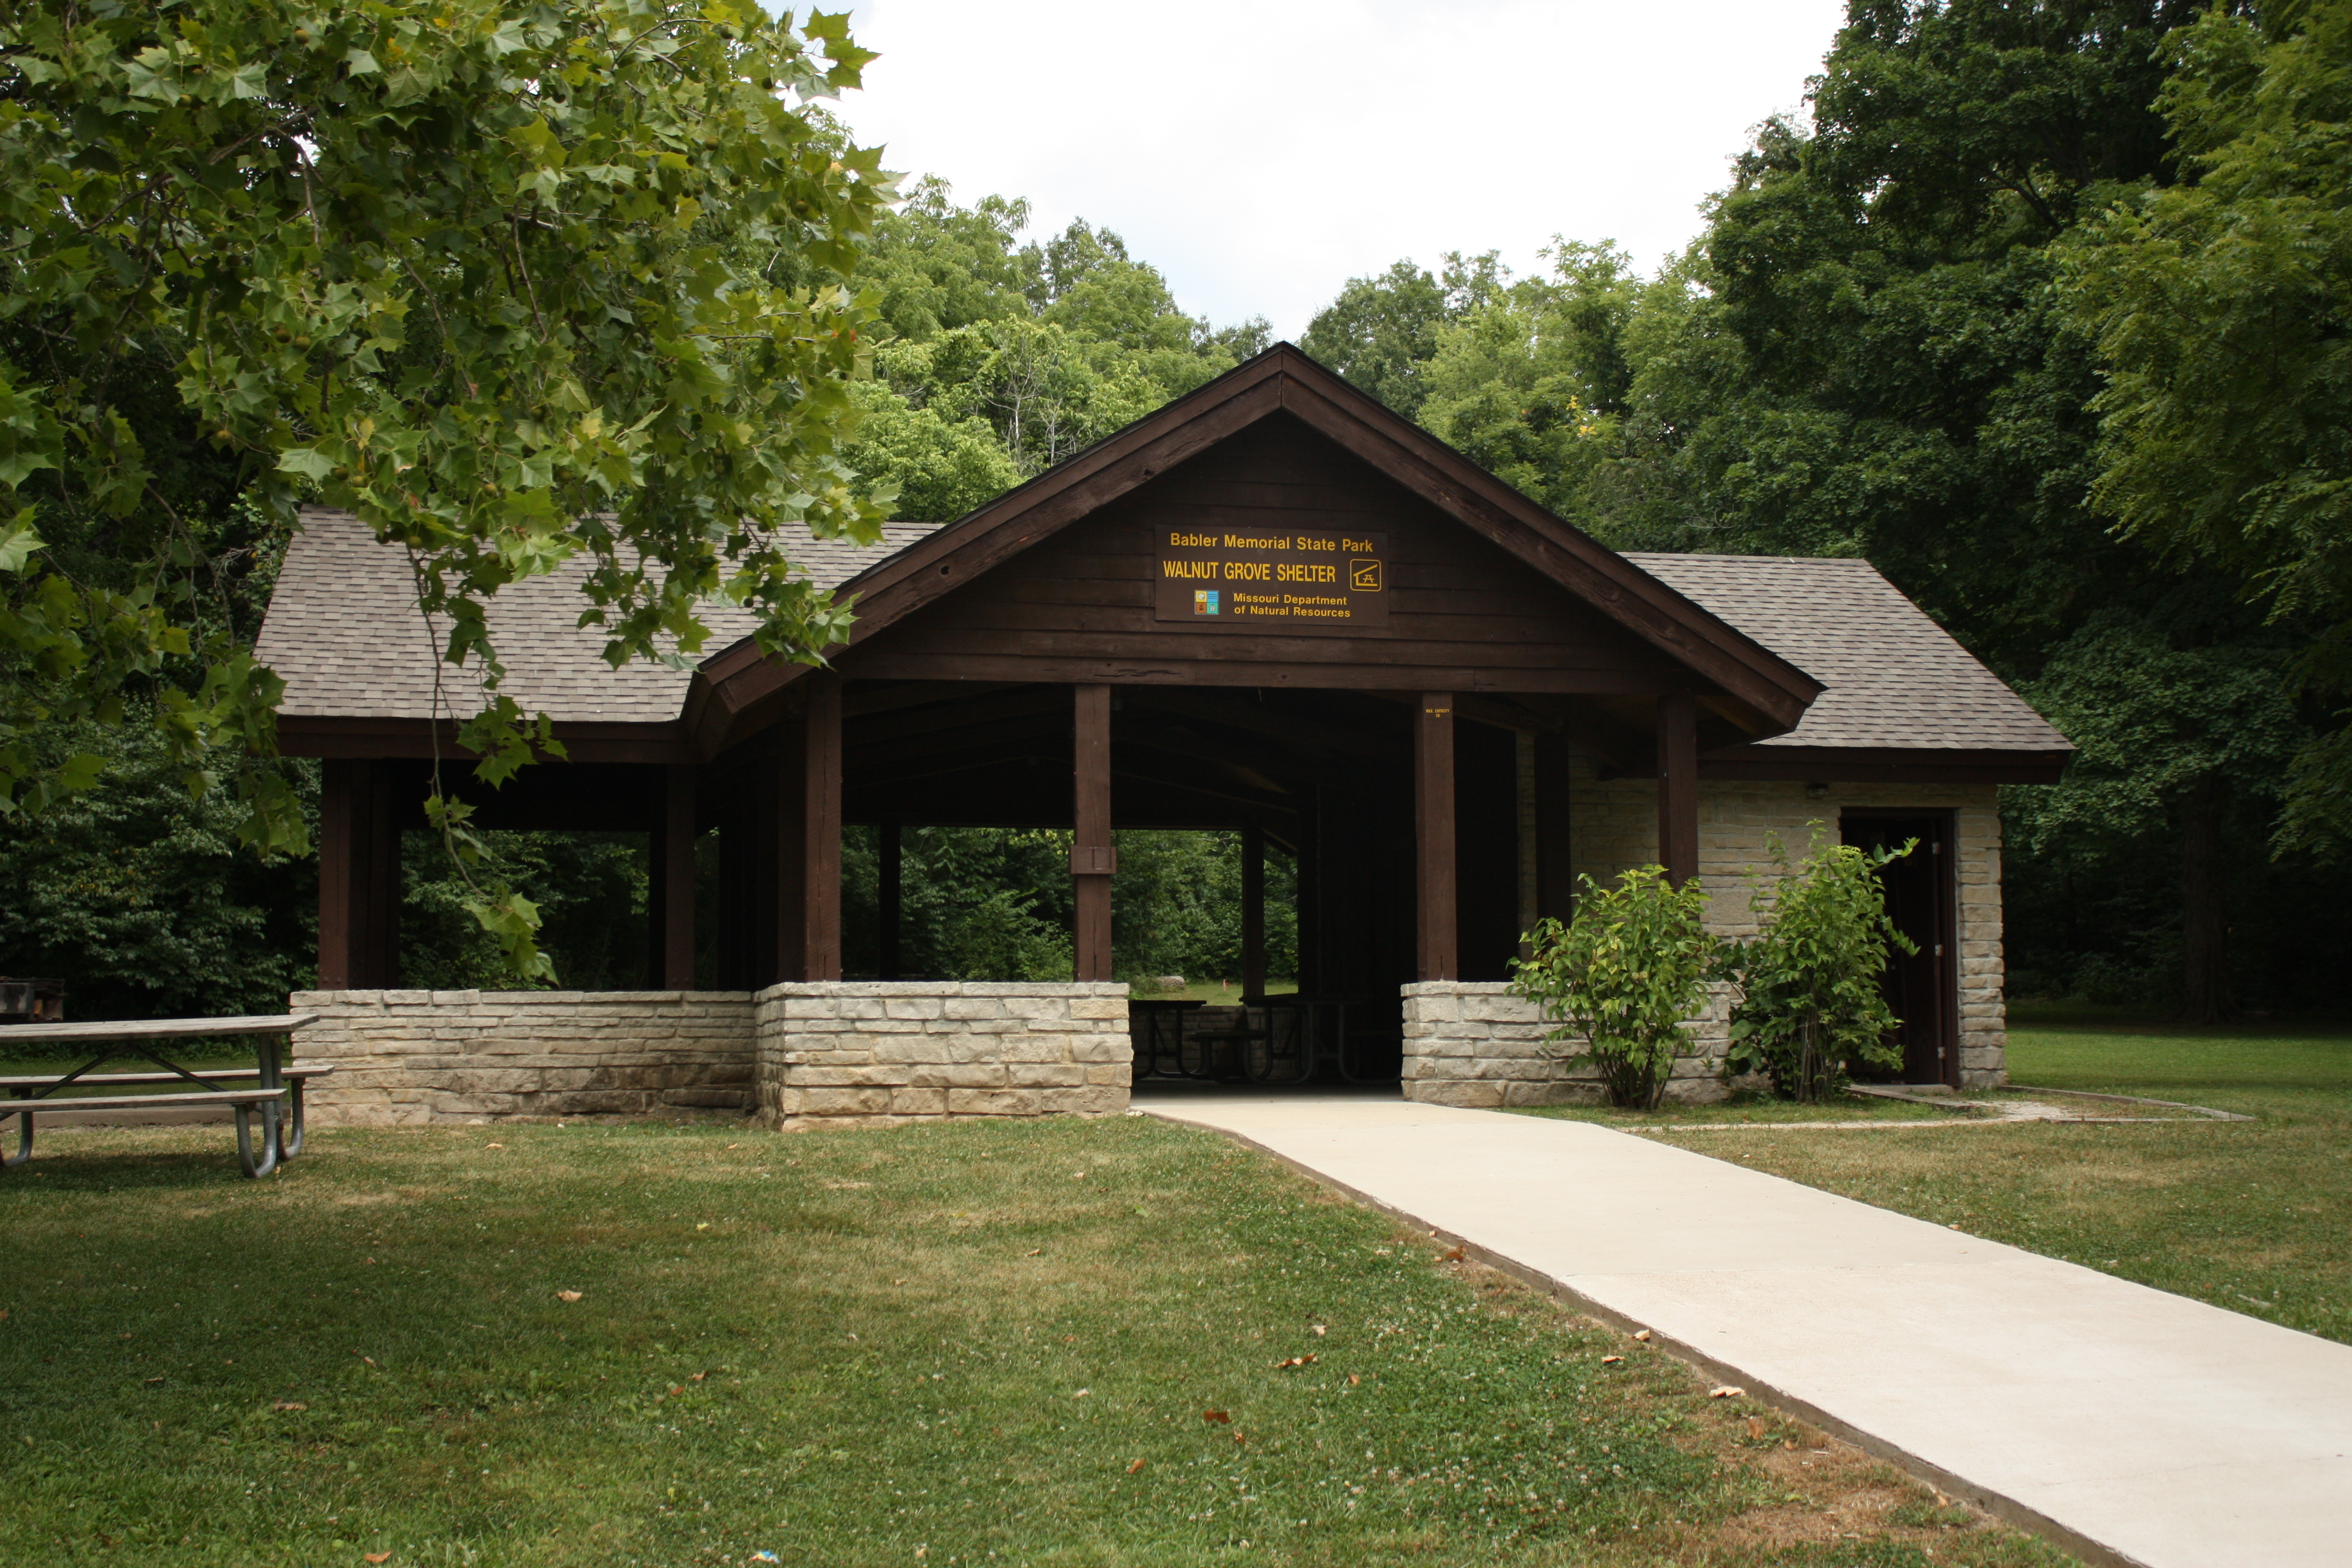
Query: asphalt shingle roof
(343, 632)
(1895, 678)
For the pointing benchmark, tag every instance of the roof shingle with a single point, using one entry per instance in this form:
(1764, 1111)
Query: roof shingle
(345, 633)
(1895, 678)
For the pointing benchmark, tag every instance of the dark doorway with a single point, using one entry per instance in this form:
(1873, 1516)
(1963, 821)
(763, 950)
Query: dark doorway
(1921, 987)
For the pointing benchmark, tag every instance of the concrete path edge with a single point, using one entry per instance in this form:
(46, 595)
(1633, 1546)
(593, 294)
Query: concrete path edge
(2000, 1505)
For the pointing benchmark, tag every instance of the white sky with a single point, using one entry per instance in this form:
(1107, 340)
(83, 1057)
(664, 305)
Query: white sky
(1260, 152)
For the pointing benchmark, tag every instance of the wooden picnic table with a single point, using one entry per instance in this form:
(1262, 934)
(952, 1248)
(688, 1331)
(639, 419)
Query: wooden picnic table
(281, 1136)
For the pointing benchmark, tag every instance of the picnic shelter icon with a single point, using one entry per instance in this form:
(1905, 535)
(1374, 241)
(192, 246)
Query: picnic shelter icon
(1364, 577)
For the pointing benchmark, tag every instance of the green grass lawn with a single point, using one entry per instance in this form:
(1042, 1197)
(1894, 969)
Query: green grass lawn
(1065, 1342)
(2255, 1216)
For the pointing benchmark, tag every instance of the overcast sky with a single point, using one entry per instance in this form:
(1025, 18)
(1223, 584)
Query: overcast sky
(1260, 152)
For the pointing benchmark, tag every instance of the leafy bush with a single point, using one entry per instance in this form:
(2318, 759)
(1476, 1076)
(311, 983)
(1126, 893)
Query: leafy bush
(1623, 975)
(1810, 997)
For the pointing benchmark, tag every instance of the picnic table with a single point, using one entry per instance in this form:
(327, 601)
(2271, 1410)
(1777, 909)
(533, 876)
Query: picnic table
(268, 1102)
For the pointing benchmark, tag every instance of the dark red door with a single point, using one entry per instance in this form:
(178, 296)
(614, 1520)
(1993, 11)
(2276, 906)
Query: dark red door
(1920, 987)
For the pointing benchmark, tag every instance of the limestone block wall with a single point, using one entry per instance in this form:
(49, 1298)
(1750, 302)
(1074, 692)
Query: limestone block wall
(881, 1052)
(404, 1057)
(1613, 824)
(1472, 1043)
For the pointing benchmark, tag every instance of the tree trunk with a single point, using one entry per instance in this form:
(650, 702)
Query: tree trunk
(2204, 896)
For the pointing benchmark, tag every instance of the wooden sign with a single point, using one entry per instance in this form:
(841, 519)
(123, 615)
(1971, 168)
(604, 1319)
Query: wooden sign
(1279, 581)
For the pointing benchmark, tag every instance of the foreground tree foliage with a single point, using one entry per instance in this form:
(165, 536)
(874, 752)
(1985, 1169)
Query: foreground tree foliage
(2222, 308)
(476, 271)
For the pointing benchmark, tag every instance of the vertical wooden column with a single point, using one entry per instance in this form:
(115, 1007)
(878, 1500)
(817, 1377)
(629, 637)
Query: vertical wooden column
(1093, 859)
(1311, 897)
(359, 878)
(890, 881)
(672, 906)
(336, 849)
(1678, 786)
(1528, 840)
(808, 837)
(745, 819)
(1253, 910)
(1555, 862)
(1432, 771)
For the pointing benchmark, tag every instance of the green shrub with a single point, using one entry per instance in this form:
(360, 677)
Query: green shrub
(1622, 976)
(1809, 982)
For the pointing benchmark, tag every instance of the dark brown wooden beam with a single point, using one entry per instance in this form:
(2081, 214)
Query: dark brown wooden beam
(1555, 873)
(1253, 910)
(1678, 787)
(889, 892)
(1094, 858)
(338, 826)
(301, 735)
(820, 855)
(1434, 902)
(674, 838)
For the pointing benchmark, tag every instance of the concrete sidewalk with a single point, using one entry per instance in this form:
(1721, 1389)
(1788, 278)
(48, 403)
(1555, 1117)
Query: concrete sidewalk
(2128, 1424)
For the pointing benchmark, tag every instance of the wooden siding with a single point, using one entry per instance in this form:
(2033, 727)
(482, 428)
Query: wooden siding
(1078, 605)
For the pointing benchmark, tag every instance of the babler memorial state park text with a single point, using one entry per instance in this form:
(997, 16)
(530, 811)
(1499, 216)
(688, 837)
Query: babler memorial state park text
(1294, 581)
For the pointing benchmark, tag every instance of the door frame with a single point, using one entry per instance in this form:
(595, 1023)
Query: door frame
(1948, 904)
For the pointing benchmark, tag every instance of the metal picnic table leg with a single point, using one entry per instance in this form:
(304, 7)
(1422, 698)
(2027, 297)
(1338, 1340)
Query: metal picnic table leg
(267, 1161)
(272, 1147)
(24, 1133)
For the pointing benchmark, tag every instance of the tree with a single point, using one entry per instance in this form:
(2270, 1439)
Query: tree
(2170, 733)
(473, 271)
(1380, 333)
(1531, 383)
(1038, 349)
(2222, 307)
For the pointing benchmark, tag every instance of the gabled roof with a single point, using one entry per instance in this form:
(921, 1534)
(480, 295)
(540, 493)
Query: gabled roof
(1828, 646)
(738, 683)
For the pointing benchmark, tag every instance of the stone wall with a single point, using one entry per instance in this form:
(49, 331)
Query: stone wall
(1472, 1043)
(413, 1057)
(1613, 824)
(882, 1052)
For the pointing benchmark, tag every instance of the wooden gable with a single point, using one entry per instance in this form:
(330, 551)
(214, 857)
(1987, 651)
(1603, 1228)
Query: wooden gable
(1459, 615)
(1055, 581)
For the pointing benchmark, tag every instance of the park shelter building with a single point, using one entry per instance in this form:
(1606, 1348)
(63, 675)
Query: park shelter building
(1273, 606)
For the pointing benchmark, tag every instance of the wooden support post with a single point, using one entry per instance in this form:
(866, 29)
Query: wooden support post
(1311, 897)
(1555, 863)
(821, 829)
(1253, 910)
(1433, 768)
(671, 905)
(336, 826)
(1678, 786)
(890, 879)
(1527, 840)
(1093, 859)
(808, 837)
(359, 878)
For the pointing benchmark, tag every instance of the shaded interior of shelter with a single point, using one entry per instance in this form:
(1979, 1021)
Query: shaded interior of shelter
(1321, 779)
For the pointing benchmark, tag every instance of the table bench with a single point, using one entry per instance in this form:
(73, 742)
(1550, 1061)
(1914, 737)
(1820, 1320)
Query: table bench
(281, 1134)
